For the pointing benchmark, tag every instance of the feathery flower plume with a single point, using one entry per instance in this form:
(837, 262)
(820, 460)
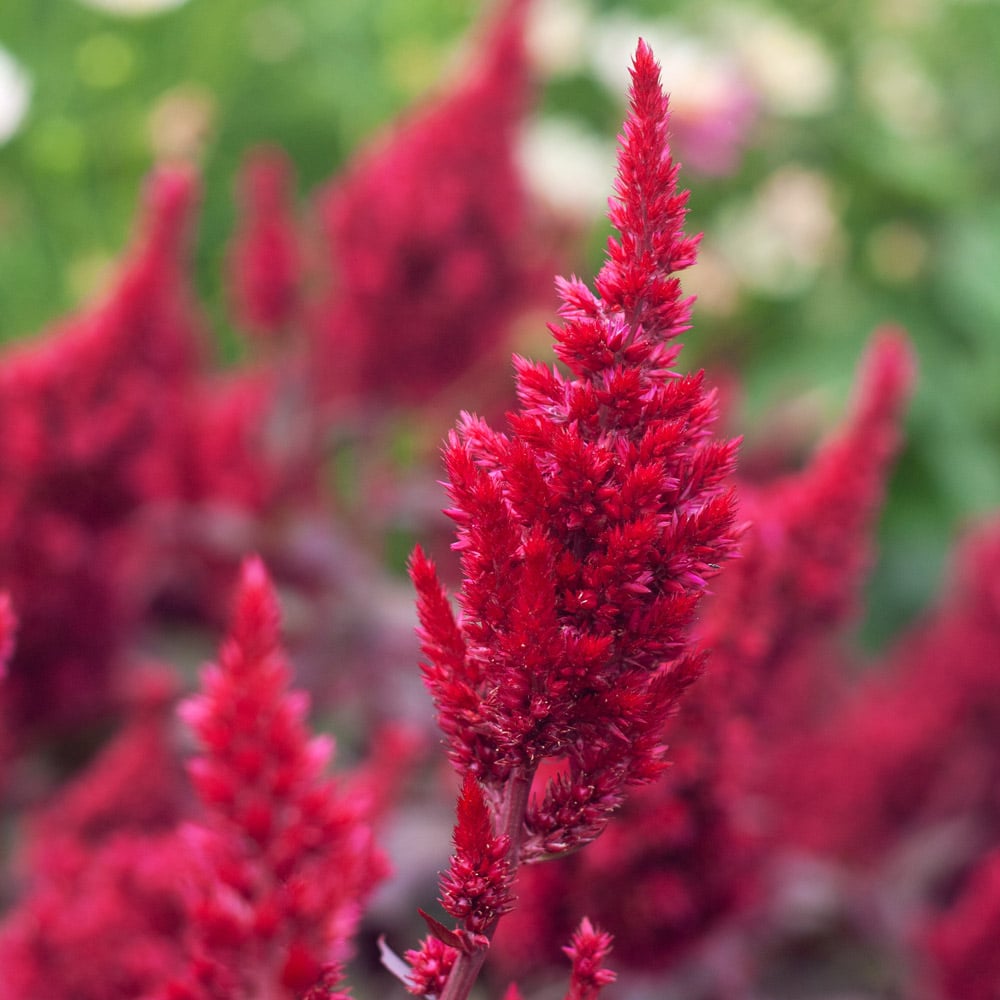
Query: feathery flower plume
(88, 422)
(427, 234)
(587, 536)
(806, 555)
(289, 859)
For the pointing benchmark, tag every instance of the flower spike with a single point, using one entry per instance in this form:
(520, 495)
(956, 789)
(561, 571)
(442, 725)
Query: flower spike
(587, 534)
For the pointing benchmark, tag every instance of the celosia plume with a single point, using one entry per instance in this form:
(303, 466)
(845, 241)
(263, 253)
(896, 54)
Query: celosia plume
(288, 860)
(428, 238)
(476, 888)
(88, 415)
(688, 851)
(587, 534)
(805, 556)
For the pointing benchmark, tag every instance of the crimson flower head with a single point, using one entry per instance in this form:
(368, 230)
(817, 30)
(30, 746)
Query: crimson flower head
(588, 531)
(291, 858)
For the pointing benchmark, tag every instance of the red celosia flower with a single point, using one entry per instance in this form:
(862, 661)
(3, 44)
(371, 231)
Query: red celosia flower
(430, 966)
(102, 912)
(686, 852)
(805, 557)
(290, 859)
(264, 261)
(963, 942)
(916, 745)
(476, 888)
(587, 951)
(587, 535)
(588, 532)
(427, 234)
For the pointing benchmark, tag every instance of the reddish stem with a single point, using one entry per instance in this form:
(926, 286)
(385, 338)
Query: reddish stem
(513, 807)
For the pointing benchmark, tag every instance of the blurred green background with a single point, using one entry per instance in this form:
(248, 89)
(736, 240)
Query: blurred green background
(844, 159)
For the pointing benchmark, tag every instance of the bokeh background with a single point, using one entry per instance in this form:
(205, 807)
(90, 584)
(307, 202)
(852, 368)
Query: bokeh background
(844, 160)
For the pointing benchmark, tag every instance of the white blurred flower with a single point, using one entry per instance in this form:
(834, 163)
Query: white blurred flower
(181, 123)
(557, 35)
(15, 95)
(712, 282)
(787, 65)
(612, 46)
(777, 242)
(567, 167)
(131, 8)
(900, 92)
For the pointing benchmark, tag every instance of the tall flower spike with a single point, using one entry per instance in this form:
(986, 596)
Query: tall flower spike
(264, 259)
(587, 535)
(292, 859)
(588, 532)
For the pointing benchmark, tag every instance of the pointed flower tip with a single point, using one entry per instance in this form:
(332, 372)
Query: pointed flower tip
(253, 574)
(168, 203)
(889, 368)
(474, 829)
(645, 68)
(257, 619)
(893, 346)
